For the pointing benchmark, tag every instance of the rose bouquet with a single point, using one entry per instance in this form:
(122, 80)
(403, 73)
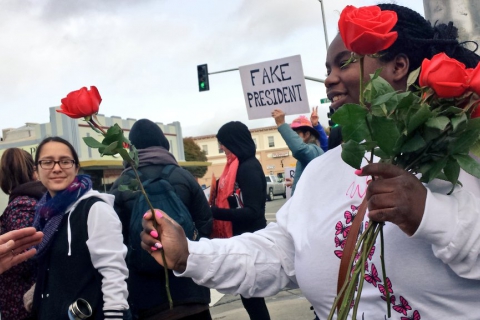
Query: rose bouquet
(85, 104)
(429, 130)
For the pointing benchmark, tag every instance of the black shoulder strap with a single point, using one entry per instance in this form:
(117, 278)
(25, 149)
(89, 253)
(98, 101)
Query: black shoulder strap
(167, 171)
(164, 174)
(88, 203)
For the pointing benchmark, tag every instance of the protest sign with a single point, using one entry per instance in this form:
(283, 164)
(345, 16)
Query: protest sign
(275, 84)
(289, 174)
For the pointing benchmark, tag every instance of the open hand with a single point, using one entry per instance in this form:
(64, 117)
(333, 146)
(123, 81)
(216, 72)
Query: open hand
(170, 236)
(396, 196)
(13, 245)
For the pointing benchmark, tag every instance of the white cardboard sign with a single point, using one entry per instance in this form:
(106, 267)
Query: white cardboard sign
(275, 84)
(289, 173)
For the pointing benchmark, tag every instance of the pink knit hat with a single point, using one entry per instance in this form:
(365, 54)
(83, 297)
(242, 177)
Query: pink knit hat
(303, 121)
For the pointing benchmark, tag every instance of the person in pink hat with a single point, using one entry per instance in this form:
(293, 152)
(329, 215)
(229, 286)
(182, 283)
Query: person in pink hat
(301, 139)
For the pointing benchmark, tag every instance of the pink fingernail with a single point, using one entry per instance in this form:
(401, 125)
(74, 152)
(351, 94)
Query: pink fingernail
(158, 213)
(145, 215)
(358, 172)
(154, 233)
(153, 248)
(158, 245)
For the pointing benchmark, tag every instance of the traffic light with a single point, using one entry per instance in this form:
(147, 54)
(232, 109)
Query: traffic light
(202, 70)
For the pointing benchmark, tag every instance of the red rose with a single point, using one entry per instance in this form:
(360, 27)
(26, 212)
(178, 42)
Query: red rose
(446, 76)
(474, 79)
(81, 103)
(366, 30)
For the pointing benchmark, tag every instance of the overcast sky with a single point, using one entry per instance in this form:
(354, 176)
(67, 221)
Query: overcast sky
(142, 55)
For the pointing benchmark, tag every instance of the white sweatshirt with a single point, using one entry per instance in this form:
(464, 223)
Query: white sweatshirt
(433, 275)
(107, 251)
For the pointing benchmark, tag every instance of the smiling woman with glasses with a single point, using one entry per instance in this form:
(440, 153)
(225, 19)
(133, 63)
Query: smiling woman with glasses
(82, 254)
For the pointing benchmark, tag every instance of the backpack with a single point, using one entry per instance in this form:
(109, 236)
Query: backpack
(162, 196)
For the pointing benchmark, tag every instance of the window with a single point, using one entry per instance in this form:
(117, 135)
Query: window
(271, 142)
(205, 149)
(268, 179)
(220, 150)
(255, 141)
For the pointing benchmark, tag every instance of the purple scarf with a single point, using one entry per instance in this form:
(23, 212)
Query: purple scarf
(50, 211)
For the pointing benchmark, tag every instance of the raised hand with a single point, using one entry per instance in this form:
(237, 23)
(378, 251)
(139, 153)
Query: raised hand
(279, 116)
(395, 195)
(314, 116)
(170, 236)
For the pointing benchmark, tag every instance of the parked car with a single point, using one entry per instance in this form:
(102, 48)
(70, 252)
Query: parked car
(275, 187)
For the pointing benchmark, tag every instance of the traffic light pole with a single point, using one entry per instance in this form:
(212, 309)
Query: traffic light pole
(236, 69)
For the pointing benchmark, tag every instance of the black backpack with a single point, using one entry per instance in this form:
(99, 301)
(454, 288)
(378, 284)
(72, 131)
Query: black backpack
(162, 196)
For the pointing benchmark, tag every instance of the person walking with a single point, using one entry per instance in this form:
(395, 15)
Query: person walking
(243, 175)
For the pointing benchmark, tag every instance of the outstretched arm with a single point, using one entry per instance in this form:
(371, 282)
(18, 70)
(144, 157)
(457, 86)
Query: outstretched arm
(252, 264)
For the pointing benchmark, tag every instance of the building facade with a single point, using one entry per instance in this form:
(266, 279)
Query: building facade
(103, 170)
(272, 152)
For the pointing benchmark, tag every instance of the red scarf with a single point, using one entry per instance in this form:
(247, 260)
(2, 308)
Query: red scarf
(226, 183)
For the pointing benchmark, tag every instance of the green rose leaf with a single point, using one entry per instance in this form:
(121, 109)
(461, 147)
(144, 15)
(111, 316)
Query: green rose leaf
(123, 187)
(456, 121)
(414, 144)
(92, 142)
(109, 150)
(440, 122)
(475, 148)
(412, 77)
(468, 164)
(385, 133)
(452, 172)
(419, 118)
(114, 134)
(351, 117)
(434, 170)
(380, 87)
(473, 123)
(465, 141)
(352, 153)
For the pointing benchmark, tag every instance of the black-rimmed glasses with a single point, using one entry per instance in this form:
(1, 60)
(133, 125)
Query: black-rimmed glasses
(49, 164)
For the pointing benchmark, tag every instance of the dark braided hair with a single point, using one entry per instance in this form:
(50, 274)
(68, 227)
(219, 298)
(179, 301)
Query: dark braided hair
(418, 39)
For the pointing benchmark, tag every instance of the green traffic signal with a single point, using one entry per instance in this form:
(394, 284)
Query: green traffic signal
(202, 72)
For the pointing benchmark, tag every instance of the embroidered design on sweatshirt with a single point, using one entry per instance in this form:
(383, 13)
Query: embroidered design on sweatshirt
(399, 303)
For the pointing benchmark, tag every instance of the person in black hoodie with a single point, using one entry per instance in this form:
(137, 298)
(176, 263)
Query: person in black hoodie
(235, 138)
(147, 296)
(18, 179)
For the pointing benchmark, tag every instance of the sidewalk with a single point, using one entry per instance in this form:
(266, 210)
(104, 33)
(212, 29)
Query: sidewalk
(286, 305)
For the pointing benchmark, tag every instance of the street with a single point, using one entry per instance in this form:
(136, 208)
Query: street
(272, 207)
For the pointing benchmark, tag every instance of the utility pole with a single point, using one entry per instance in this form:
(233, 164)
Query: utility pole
(324, 24)
(465, 15)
